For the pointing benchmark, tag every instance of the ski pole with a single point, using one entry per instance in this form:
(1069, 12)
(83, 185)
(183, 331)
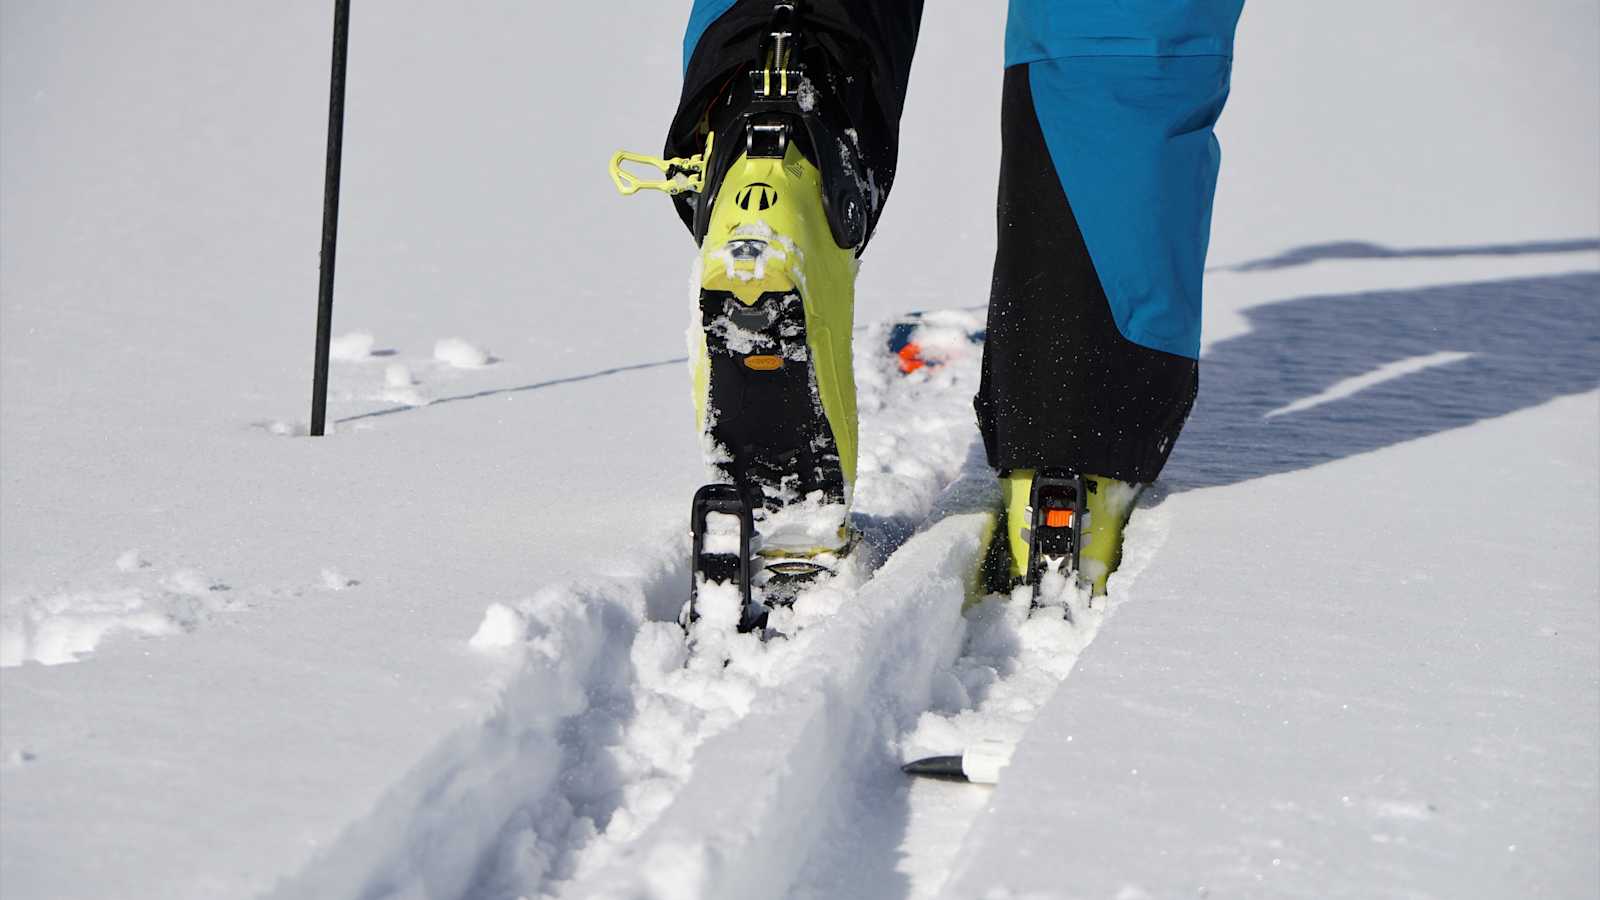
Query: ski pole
(330, 214)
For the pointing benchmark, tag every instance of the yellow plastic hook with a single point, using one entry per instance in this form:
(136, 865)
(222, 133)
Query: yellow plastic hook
(683, 173)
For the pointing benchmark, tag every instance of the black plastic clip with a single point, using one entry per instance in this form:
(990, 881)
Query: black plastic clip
(726, 500)
(1056, 529)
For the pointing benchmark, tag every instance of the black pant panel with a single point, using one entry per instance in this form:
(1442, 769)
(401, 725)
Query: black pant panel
(862, 54)
(1061, 386)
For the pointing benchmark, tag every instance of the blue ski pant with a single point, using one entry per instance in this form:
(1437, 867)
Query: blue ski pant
(1108, 169)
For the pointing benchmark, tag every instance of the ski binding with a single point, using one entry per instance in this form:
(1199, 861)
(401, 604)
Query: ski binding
(719, 555)
(1055, 531)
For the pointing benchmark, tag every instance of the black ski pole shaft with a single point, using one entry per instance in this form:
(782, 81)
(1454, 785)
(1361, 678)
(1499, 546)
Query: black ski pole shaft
(330, 214)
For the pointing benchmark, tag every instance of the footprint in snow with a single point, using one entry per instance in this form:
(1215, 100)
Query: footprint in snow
(62, 627)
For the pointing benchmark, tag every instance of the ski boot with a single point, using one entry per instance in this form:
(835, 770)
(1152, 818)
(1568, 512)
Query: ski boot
(1058, 522)
(780, 213)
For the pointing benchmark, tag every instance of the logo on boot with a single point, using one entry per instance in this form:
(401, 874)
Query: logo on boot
(757, 196)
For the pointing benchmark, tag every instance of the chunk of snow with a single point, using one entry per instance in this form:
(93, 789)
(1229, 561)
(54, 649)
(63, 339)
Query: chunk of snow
(334, 580)
(396, 375)
(399, 386)
(352, 347)
(457, 352)
(191, 583)
(658, 650)
(501, 627)
(131, 561)
(807, 95)
(722, 534)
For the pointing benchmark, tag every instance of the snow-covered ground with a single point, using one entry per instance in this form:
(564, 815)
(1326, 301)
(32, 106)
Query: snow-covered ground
(1354, 650)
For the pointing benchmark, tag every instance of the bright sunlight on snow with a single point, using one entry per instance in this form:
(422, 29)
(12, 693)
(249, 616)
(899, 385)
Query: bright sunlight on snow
(1353, 649)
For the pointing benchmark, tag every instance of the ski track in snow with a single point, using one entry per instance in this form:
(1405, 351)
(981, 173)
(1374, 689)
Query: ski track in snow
(606, 767)
(618, 765)
(1011, 664)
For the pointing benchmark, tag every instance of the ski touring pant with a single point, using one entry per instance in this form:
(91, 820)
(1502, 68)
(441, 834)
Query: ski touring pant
(1107, 173)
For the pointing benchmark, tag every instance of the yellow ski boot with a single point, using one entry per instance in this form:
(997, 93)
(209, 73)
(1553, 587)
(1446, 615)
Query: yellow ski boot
(779, 225)
(1068, 523)
(773, 385)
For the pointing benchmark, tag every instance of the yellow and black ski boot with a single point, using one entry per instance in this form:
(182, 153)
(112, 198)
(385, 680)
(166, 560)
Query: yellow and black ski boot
(1057, 522)
(780, 213)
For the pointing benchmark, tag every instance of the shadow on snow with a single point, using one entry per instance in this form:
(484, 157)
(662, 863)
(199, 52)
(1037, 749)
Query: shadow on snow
(1311, 253)
(538, 385)
(1527, 340)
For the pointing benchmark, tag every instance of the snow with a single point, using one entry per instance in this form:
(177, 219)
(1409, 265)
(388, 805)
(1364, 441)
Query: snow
(352, 347)
(1351, 651)
(334, 580)
(63, 627)
(1387, 372)
(756, 245)
(1463, 766)
(457, 352)
(396, 375)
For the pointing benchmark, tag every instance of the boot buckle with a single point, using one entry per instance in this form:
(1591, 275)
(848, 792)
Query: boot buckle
(683, 174)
